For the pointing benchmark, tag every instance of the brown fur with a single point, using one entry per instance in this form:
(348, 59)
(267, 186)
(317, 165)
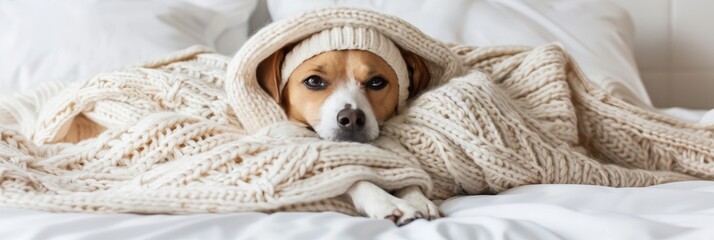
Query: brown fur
(419, 76)
(269, 74)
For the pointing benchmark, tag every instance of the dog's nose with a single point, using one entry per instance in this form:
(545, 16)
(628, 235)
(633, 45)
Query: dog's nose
(351, 119)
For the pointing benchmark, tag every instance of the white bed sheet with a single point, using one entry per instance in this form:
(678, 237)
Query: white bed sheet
(683, 210)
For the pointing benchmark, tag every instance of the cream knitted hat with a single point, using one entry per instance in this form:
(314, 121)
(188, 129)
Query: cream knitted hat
(349, 38)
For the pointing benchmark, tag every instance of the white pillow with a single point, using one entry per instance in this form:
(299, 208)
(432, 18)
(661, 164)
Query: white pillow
(48, 40)
(597, 33)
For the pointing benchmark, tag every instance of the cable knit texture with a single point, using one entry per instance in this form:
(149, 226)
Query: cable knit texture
(195, 133)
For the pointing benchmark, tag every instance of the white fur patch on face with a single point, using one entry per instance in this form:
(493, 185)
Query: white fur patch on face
(348, 94)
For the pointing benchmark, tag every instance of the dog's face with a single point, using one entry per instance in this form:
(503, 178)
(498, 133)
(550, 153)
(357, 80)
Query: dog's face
(343, 95)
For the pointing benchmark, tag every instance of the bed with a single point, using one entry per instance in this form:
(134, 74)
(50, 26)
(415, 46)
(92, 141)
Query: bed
(604, 40)
(671, 211)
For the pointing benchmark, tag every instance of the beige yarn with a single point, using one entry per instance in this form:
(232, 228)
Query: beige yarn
(180, 135)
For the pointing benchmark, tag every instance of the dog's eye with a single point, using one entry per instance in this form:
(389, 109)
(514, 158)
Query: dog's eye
(376, 83)
(315, 83)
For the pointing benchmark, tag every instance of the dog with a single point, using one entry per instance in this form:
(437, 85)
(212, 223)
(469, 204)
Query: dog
(344, 95)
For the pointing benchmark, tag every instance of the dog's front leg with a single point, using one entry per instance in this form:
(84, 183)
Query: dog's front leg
(374, 202)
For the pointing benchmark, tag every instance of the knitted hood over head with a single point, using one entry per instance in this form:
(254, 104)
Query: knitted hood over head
(308, 28)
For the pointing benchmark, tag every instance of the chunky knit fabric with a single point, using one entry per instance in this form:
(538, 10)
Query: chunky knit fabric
(195, 133)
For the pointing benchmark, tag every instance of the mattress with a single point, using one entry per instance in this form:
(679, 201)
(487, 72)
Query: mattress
(683, 210)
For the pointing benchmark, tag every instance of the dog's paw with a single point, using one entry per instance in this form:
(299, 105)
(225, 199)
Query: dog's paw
(416, 198)
(394, 209)
(374, 202)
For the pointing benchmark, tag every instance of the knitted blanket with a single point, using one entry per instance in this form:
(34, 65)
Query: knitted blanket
(195, 133)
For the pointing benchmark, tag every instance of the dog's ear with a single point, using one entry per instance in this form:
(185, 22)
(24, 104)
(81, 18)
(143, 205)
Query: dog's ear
(269, 74)
(419, 76)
